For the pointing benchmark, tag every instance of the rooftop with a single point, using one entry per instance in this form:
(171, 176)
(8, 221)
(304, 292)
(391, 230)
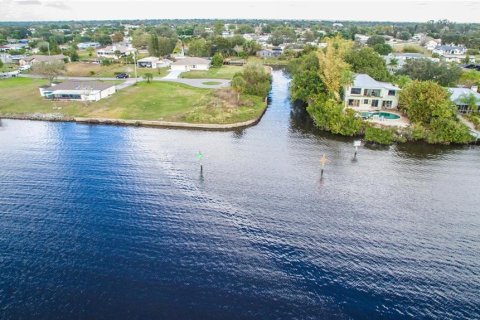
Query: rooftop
(459, 93)
(191, 61)
(365, 81)
(81, 85)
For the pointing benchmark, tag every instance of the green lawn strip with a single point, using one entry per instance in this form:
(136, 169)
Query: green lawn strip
(224, 72)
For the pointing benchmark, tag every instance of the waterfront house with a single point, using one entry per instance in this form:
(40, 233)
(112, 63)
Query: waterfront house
(74, 90)
(366, 93)
(153, 62)
(459, 96)
(31, 60)
(191, 63)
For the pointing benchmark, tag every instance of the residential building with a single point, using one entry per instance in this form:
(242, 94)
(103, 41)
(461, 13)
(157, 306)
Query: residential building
(5, 58)
(366, 93)
(361, 38)
(31, 60)
(432, 44)
(73, 90)
(115, 51)
(458, 58)
(459, 96)
(153, 62)
(449, 50)
(191, 63)
(269, 53)
(400, 59)
(86, 45)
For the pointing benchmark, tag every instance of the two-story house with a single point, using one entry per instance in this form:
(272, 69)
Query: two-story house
(366, 94)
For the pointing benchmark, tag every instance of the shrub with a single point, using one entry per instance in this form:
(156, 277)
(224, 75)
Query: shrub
(217, 60)
(418, 132)
(331, 116)
(379, 135)
(446, 131)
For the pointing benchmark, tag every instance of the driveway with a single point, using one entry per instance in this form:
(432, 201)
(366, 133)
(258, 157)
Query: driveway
(174, 74)
(200, 83)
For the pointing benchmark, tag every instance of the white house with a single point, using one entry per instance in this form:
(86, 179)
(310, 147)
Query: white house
(5, 58)
(432, 44)
(109, 52)
(459, 95)
(153, 62)
(366, 93)
(401, 58)
(85, 45)
(78, 90)
(191, 63)
(449, 49)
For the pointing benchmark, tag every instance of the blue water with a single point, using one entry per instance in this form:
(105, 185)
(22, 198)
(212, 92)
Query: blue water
(105, 222)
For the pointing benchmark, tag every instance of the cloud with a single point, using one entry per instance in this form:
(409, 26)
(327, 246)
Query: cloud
(28, 2)
(57, 4)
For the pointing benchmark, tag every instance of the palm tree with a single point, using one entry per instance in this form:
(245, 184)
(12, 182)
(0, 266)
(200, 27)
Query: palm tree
(148, 76)
(471, 101)
(238, 84)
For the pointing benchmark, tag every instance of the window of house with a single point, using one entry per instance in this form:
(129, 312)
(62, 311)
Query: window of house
(391, 92)
(387, 104)
(365, 101)
(353, 102)
(356, 91)
(374, 103)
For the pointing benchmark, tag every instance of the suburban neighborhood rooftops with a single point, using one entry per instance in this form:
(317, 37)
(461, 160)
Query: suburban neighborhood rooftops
(448, 47)
(362, 80)
(191, 61)
(459, 93)
(40, 58)
(80, 85)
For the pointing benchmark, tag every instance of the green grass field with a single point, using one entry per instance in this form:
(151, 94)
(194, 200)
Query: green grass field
(224, 72)
(81, 69)
(166, 101)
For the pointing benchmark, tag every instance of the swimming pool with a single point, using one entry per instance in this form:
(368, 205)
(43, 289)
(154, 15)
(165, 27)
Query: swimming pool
(380, 114)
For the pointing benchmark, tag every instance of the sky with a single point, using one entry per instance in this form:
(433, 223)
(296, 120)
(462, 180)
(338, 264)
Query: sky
(378, 10)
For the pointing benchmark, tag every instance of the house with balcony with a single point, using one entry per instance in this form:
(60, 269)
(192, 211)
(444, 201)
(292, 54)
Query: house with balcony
(367, 94)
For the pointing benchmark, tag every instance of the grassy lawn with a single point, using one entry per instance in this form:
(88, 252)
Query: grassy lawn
(7, 67)
(269, 61)
(167, 101)
(82, 69)
(224, 72)
(400, 46)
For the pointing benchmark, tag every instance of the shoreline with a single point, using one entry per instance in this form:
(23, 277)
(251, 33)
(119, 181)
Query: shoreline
(52, 117)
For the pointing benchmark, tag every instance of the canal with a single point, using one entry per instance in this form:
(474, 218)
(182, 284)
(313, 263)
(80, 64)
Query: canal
(105, 222)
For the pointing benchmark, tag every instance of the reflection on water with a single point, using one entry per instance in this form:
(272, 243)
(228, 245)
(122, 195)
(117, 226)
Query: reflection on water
(120, 222)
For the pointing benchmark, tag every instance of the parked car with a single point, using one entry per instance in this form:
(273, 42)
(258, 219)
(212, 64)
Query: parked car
(122, 76)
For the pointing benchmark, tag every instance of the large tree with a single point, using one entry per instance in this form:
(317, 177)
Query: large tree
(334, 71)
(366, 60)
(446, 74)
(424, 100)
(50, 70)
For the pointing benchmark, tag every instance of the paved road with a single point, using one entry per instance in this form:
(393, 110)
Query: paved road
(200, 83)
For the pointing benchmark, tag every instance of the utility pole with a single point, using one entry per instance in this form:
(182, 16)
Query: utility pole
(135, 66)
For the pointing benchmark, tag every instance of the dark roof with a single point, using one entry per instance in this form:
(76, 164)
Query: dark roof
(81, 85)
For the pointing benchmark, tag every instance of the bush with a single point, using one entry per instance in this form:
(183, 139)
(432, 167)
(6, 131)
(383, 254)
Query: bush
(106, 62)
(331, 116)
(418, 132)
(446, 131)
(379, 135)
(217, 60)
(411, 49)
